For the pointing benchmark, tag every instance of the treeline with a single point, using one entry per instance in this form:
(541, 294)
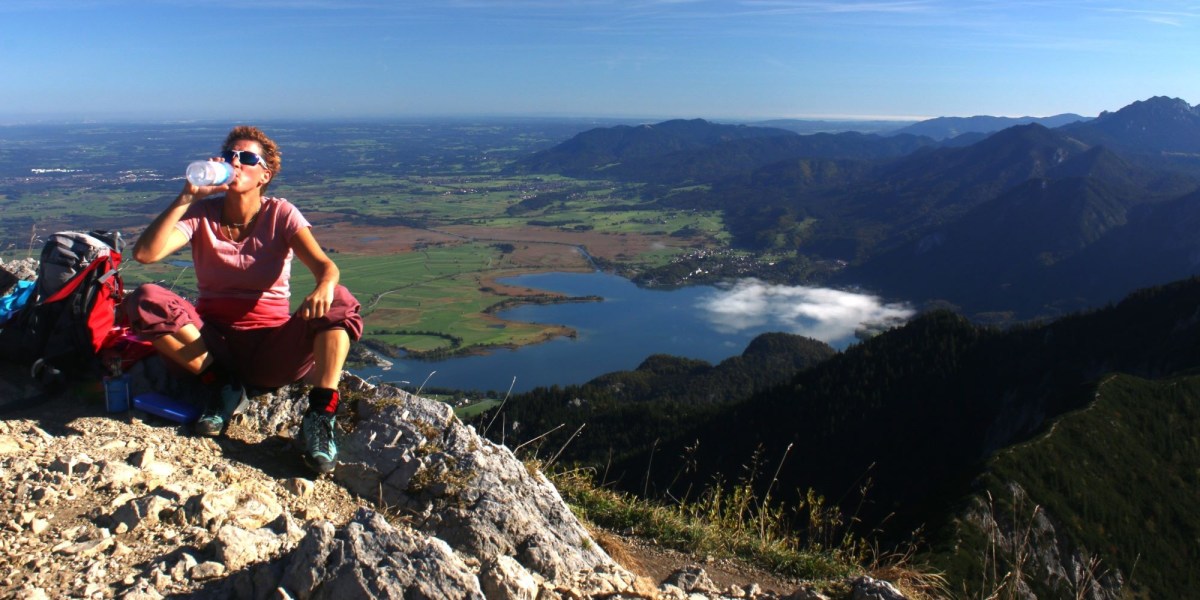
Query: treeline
(629, 410)
(455, 344)
(899, 429)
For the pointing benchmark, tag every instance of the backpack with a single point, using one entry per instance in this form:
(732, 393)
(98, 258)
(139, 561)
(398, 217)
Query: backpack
(71, 315)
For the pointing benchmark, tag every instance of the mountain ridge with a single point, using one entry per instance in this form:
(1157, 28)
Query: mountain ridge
(942, 128)
(847, 199)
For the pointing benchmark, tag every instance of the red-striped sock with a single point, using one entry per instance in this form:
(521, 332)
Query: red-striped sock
(323, 400)
(213, 375)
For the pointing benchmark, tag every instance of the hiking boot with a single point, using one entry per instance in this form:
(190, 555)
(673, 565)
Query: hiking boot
(320, 449)
(229, 399)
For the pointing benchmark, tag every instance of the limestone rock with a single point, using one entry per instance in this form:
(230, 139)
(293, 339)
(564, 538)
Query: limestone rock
(368, 558)
(413, 454)
(146, 509)
(207, 570)
(24, 269)
(503, 578)
(299, 487)
(235, 547)
(866, 588)
(247, 505)
(692, 579)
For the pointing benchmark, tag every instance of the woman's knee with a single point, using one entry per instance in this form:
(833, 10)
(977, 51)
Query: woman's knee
(345, 310)
(153, 311)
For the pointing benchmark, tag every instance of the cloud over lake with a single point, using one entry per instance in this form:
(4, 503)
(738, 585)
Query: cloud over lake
(825, 314)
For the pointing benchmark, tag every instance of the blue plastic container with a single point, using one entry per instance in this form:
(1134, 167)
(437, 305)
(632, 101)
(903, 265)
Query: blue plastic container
(116, 393)
(167, 407)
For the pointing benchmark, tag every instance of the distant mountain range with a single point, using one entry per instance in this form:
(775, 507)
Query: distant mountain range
(808, 126)
(1027, 221)
(681, 152)
(949, 127)
(1058, 450)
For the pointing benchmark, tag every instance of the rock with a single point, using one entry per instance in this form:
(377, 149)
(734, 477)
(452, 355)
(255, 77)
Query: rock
(9, 445)
(278, 412)
(77, 465)
(183, 567)
(807, 593)
(87, 548)
(116, 475)
(37, 526)
(368, 558)
(32, 593)
(23, 268)
(503, 578)
(158, 470)
(247, 505)
(413, 454)
(299, 487)
(142, 458)
(145, 509)
(141, 590)
(235, 547)
(866, 588)
(207, 570)
(692, 578)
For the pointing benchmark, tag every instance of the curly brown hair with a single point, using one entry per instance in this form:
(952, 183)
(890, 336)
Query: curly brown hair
(270, 149)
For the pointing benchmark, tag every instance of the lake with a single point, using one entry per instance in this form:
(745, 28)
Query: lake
(703, 322)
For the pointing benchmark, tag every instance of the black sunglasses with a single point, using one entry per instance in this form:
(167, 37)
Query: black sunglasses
(245, 157)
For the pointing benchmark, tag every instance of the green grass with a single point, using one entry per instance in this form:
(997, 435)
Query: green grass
(807, 542)
(433, 290)
(474, 410)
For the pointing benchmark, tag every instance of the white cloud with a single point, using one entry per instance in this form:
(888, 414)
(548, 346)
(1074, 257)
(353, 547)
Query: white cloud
(825, 314)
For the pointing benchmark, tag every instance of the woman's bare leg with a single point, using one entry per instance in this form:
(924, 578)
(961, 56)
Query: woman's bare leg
(330, 348)
(185, 348)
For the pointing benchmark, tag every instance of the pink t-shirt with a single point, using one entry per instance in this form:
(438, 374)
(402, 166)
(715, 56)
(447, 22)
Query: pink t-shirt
(243, 284)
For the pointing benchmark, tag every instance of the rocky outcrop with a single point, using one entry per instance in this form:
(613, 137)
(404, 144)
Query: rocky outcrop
(100, 505)
(1025, 543)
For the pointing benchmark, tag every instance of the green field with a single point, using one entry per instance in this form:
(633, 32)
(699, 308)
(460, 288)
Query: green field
(432, 290)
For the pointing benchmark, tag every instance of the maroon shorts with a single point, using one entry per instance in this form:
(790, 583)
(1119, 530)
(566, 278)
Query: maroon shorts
(268, 357)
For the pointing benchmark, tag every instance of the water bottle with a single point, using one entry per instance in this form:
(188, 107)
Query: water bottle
(207, 172)
(116, 393)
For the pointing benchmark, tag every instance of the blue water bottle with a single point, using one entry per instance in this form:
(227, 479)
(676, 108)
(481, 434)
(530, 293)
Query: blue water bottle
(116, 393)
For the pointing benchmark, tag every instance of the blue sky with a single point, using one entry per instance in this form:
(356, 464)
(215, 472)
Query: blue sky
(721, 60)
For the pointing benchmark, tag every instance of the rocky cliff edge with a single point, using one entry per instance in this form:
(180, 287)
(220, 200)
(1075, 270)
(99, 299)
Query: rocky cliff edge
(103, 505)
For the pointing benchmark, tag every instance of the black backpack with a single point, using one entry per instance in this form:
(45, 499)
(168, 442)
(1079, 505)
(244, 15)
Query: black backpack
(72, 311)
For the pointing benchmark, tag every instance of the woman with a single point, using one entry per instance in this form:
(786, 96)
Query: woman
(241, 330)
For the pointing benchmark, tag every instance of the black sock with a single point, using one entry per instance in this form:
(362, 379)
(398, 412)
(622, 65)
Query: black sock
(214, 375)
(323, 400)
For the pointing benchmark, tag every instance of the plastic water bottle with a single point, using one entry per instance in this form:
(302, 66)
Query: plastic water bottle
(207, 172)
(116, 393)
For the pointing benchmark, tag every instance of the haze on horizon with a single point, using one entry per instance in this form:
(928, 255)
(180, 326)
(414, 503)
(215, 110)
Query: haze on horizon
(739, 60)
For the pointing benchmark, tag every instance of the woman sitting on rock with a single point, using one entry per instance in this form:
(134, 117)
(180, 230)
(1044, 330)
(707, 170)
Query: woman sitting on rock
(241, 331)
